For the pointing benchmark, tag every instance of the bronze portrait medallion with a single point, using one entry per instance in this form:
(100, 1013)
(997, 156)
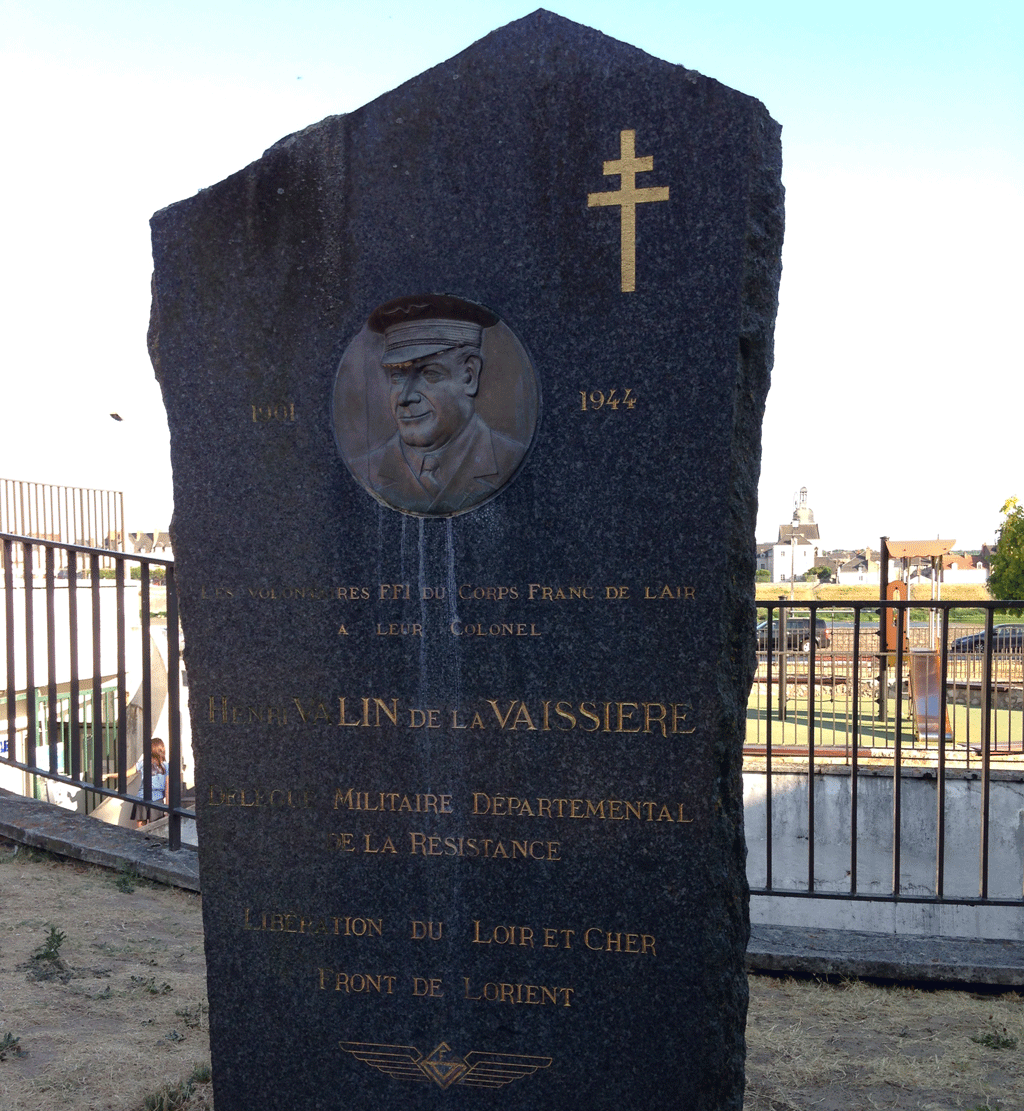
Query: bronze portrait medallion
(435, 405)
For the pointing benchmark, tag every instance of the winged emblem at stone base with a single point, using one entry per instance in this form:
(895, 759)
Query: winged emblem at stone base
(445, 1069)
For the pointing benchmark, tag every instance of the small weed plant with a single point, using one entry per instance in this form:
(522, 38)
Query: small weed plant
(10, 1046)
(995, 1039)
(175, 1097)
(49, 951)
(150, 985)
(127, 878)
(195, 1017)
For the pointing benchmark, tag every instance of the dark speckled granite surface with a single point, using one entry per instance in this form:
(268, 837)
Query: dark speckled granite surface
(469, 795)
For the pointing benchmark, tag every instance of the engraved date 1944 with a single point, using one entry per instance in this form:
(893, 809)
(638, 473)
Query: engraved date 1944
(592, 400)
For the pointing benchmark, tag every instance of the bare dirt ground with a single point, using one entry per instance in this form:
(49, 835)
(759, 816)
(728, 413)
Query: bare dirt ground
(118, 1011)
(112, 1016)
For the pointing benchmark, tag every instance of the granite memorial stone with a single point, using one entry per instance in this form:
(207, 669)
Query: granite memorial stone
(465, 391)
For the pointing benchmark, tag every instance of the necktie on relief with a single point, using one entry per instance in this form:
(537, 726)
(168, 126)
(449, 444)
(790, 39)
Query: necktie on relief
(428, 473)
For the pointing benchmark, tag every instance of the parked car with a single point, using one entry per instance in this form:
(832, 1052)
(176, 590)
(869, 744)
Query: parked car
(1005, 638)
(798, 634)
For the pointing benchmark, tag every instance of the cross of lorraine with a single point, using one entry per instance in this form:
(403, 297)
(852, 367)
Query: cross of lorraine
(628, 196)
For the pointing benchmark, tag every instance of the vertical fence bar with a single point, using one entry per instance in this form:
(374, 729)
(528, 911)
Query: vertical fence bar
(813, 638)
(31, 724)
(854, 766)
(75, 693)
(51, 663)
(12, 675)
(986, 755)
(897, 764)
(98, 722)
(173, 715)
(147, 676)
(122, 683)
(769, 660)
(147, 694)
(783, 642)
(940, 793)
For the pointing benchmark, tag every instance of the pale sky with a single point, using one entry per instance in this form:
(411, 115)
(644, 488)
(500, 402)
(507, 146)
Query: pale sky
(903, 148)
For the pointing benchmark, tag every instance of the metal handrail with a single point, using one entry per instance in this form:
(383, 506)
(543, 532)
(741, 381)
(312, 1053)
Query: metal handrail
(50, 661)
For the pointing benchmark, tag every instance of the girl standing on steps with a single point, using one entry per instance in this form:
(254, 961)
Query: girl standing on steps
(158, 770)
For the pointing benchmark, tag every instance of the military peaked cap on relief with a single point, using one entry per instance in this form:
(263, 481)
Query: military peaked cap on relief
(422, 325)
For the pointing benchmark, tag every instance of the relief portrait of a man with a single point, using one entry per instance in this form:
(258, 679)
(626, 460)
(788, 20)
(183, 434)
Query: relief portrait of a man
(461, 405)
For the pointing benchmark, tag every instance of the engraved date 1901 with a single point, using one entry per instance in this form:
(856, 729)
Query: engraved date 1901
(592, 400)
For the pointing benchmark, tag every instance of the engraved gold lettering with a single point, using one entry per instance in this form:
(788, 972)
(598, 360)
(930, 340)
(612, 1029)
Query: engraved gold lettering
(215, 593)
(534, 994)
(523, 716)
(623, 716)
(423, 844)
(427, 988)
(505, 629)
(497, 713)
(590, 715)
(595, 400)
(521, 936)
(429, 719)
(426, 931)
(386, 846)
(670, 593)
(469, 592)
(614, 941)
(679, 712)
(357, 983)
(538, 592)
(250, 797)
(290, 922)
(283, 412)
(654, 714)
(607, 809)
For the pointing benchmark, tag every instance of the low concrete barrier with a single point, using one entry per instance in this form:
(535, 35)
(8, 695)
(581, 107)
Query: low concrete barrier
(918, 841)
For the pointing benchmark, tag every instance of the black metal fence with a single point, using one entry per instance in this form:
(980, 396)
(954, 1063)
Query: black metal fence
(92, 665)
(903, 702)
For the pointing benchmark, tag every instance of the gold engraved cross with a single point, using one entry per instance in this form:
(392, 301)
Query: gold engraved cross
(627, 166)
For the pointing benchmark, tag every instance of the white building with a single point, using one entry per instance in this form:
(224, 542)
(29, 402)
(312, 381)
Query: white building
(798, 547)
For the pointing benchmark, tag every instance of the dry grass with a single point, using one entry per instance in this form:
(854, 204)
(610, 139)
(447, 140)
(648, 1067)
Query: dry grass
(851, 1045)
(120, 1012)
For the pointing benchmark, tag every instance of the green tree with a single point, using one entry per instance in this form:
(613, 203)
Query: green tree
(762, 576)
(1007, 577)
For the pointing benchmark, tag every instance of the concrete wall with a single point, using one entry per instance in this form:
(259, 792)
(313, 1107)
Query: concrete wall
(918, 836)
